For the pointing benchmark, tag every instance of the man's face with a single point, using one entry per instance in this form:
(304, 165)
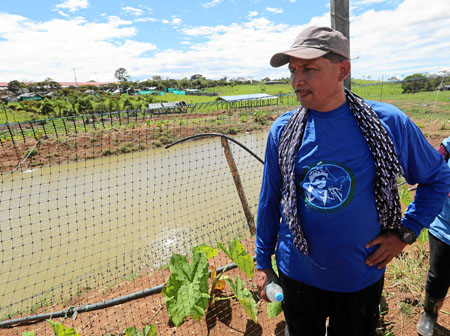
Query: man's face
(318, 83)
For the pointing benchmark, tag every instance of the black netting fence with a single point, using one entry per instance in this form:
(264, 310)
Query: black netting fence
(93, 207)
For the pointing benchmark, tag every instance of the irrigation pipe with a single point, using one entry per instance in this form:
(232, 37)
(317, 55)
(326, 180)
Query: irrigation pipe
(74, 311)
(216, 135)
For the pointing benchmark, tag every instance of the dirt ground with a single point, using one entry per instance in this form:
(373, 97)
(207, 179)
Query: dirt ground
(227, 317)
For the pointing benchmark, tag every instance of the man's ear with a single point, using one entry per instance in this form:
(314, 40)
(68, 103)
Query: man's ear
(344, 70)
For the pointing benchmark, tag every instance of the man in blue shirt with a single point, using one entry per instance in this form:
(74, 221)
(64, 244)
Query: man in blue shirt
(438, 280)
(329, 207)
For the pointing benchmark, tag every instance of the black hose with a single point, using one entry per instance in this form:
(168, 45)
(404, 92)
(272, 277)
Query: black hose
(71, 311)
(216, 135)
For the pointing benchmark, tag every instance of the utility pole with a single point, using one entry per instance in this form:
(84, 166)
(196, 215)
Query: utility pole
(339, 12)
(74, 74)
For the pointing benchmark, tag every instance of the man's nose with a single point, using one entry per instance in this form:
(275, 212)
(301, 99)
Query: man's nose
(296, 78)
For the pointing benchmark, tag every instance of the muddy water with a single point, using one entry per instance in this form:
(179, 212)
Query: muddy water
(86, 224)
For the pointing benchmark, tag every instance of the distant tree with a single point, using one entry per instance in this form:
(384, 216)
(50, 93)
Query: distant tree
(14, 86)
(127, 104)
(49, 84)
(47, 107)
(121, 75)
(85, 105)
(184, 83)
(197, 76)
(414, 83)
(60, 106)
(30, 106)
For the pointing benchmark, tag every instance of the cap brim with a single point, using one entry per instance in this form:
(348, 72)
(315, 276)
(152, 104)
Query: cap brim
(282, 58)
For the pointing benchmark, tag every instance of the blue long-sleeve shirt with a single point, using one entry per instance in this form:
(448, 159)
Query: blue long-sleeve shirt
(335, 176)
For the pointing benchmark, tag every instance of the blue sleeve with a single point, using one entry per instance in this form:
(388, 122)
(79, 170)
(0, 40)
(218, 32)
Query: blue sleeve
(423, 165)
(446, 143)
(268, 215)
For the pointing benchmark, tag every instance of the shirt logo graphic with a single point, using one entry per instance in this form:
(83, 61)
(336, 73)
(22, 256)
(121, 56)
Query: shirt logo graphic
(327, 186)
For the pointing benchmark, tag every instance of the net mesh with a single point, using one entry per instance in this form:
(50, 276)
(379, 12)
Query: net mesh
(92, 208)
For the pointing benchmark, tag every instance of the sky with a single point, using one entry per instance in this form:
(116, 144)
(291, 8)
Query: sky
(82, 40)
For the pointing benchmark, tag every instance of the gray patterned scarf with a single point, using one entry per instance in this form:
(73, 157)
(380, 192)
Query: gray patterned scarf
(387, 200)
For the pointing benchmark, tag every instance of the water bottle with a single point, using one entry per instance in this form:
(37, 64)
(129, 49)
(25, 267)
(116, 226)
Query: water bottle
(274, 292)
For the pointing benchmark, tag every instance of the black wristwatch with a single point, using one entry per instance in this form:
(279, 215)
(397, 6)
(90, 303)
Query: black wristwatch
(408, 236)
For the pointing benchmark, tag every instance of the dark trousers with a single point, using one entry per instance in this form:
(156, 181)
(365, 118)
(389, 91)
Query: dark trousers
(438, 280)
(307, 308)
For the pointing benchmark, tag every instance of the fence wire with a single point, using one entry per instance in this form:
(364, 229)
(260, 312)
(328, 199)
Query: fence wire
(92, 208)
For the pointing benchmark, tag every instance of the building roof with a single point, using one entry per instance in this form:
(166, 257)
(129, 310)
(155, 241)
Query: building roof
(247, 97)
(66, 84)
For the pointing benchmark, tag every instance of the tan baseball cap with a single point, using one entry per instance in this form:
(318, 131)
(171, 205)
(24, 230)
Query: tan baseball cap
(314, 42)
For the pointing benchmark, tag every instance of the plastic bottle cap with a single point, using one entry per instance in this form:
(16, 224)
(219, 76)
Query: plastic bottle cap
(279, 297)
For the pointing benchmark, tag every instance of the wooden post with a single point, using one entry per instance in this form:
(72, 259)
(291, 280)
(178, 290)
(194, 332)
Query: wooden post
(239, 187)
(339, 12)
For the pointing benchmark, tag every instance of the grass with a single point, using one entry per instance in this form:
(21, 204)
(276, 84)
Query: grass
(408, 270)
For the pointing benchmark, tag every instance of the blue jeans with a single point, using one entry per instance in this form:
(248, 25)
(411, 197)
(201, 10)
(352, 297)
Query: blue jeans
(438, 280)
(306, 309)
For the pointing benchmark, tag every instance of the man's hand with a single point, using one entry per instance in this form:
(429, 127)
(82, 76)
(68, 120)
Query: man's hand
(262, 279)
(389, 245)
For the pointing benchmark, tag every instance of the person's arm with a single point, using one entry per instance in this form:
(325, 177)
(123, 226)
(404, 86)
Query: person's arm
(422, 165)
(444, 149)
(268, 215)
(425, 167)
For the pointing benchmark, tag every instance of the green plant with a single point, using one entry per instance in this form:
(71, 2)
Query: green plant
(260, 117)
(232, 130)
(187, 292)
(31, 152)
(149, 330)
(60, 330)
(405, 195)
(126, 147)
(405, 308)
(28, 333)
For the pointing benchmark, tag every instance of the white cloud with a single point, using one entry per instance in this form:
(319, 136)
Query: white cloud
(409, 38)
(213, 3)
(133, 11)
(148, 19)
(59, 45)
(292, 1)
(176, 21)
(367, 2)
(252, 14)
(63, 14)
(274, 10)
(235, 50)
(73, 5)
